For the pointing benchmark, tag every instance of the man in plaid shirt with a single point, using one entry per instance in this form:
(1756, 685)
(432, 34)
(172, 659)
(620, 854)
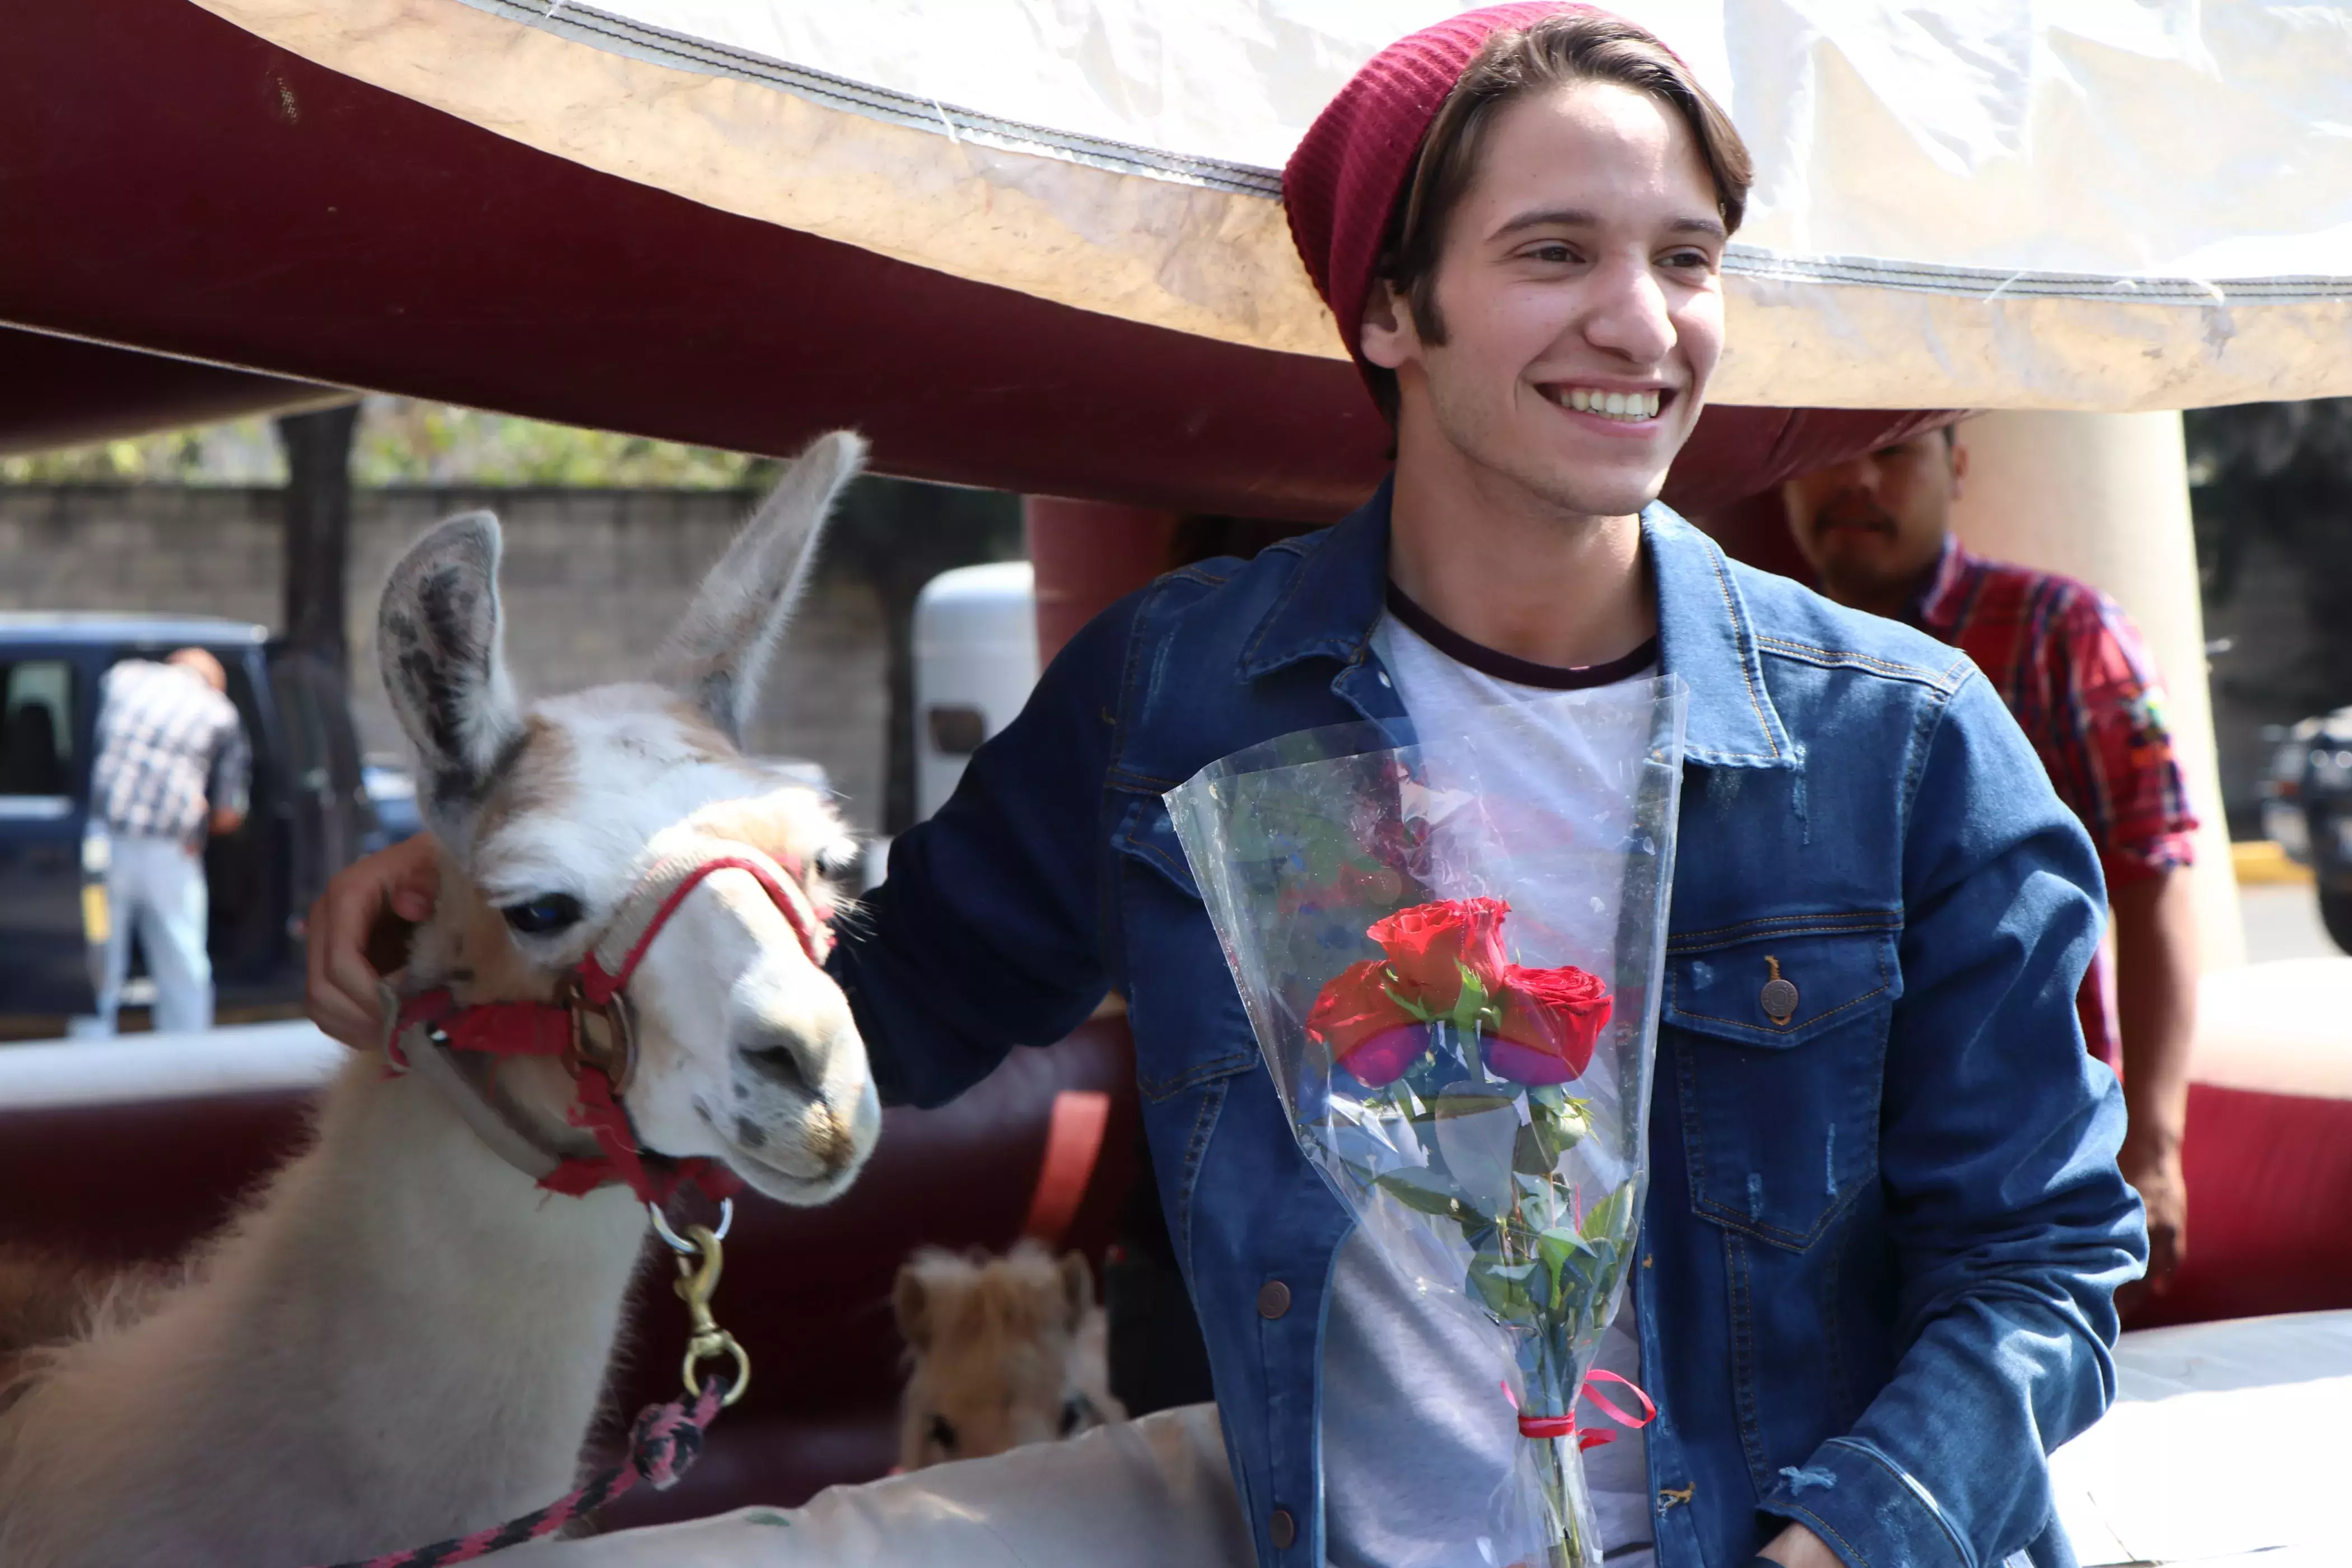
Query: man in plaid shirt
(2073, 670)
(173, 765)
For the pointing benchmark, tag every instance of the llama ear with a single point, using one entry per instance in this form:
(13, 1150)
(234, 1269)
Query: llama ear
(1078, 1286)
(720, 651)
(911, 1303)
(439, 643)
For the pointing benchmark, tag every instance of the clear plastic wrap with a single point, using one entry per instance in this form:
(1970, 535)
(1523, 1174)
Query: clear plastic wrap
(1449, 936)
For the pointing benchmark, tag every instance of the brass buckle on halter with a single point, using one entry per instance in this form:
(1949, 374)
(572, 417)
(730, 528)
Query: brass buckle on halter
(601, 1036)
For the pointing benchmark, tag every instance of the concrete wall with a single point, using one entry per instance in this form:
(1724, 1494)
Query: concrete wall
(593, 580)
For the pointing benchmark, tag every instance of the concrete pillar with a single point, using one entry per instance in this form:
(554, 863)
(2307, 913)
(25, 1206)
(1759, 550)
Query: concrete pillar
(2105, 498)
(1089, 555)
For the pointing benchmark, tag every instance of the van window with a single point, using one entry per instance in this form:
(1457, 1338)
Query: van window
(37, 731)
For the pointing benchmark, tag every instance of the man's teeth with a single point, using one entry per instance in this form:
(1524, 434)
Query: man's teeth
(1627, 405)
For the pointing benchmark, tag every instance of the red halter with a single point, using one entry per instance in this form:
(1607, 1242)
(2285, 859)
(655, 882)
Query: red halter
(588, 1026)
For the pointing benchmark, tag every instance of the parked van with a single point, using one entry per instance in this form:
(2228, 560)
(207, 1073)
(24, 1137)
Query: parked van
(311, 811)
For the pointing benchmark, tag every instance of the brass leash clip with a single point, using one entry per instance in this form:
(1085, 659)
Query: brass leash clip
(700, 1262)
(697, 1282)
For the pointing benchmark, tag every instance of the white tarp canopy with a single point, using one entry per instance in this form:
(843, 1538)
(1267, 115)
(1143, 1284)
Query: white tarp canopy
(2058, 204)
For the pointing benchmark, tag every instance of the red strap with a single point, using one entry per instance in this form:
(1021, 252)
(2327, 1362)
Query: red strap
(1074, 1141)
(493, 1028)
(599, 1114)
(543, 1029)
(600, 985)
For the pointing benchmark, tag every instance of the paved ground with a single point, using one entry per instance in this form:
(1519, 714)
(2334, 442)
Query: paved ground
(2281, 920)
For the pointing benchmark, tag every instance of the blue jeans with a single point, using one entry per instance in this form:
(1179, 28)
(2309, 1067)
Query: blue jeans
(158, 885)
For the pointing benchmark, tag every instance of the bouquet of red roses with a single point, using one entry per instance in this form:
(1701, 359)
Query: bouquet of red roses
(1443, 964)
(1449, 949)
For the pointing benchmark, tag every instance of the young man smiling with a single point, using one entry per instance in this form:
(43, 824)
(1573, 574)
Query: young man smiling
(1884, 1222)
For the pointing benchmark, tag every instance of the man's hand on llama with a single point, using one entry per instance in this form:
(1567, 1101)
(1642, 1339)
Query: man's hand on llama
(365, 911)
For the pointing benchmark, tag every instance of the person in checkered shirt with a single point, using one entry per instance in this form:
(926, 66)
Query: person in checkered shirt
(2073, 670)
(173, 766)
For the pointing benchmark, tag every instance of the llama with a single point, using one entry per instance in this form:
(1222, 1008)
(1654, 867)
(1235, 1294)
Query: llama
(1001, 1352)
(403, 1338)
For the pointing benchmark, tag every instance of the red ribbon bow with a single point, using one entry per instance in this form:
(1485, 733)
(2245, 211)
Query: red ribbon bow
(1565, 1425)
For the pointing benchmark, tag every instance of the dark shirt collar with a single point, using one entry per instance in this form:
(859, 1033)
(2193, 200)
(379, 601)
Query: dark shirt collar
(1507, 667)
(1339, 593)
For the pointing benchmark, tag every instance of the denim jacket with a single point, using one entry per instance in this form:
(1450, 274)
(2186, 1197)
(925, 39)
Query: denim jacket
(1883, 1235)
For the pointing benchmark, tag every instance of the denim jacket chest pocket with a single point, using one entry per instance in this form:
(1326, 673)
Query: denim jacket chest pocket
(1779, 1029)
(1192, 1035)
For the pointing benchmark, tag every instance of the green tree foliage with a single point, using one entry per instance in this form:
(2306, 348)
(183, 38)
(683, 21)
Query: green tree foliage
(402, 441)
(2281, 472)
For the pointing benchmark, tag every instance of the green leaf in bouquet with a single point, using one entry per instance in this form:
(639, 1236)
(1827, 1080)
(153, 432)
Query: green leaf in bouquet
(1557, 1246)
(1508, 1289)
(1562, 1122)
(1569, 1260)
(1325, 846)
(1474, 1006)
(1474, 1131)
(1470, 1102)
(1426, 1191)
(1612, 1218)
(1535, 1153)
(1409, 1005)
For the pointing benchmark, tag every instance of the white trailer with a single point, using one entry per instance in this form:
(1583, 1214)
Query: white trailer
(975, 660)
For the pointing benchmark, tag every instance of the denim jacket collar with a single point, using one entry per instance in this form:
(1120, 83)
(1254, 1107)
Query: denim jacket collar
(1337, 596)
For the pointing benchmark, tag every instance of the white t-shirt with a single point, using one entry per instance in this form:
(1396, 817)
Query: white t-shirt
(1416, 1432)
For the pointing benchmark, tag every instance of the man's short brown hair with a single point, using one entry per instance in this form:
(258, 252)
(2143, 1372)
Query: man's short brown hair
(1569, 48)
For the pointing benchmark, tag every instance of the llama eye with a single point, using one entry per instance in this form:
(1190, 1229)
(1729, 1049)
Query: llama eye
(544, 915)
(943, 1433)
(1071, 1413)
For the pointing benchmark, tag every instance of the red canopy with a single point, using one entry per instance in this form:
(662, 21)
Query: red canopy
(182, 187)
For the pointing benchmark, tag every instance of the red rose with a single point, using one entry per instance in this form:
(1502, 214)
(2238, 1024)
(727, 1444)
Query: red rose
(1430, 945)
(1550, 1019)
(1353, 1005)
(1368, 1032)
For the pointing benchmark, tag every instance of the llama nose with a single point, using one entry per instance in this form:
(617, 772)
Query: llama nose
(778, 1055)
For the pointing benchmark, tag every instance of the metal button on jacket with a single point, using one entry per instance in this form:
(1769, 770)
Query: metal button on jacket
(1779, 997)
(1273, 1299)
(1281, 1530)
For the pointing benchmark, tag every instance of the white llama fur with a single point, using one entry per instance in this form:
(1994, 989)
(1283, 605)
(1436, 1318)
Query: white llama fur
(1001, 1352)
(403, 1339)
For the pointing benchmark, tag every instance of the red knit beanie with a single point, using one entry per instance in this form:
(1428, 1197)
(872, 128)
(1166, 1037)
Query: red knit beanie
(1341, 183)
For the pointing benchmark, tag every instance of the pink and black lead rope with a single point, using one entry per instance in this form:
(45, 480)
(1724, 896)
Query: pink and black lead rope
(663, 1445)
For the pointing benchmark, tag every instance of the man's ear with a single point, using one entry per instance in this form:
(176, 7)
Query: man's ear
(1959, 460)
(1386, 335)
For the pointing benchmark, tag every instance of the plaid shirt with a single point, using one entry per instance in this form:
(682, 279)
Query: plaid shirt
(2072, 668)
(169, 748)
